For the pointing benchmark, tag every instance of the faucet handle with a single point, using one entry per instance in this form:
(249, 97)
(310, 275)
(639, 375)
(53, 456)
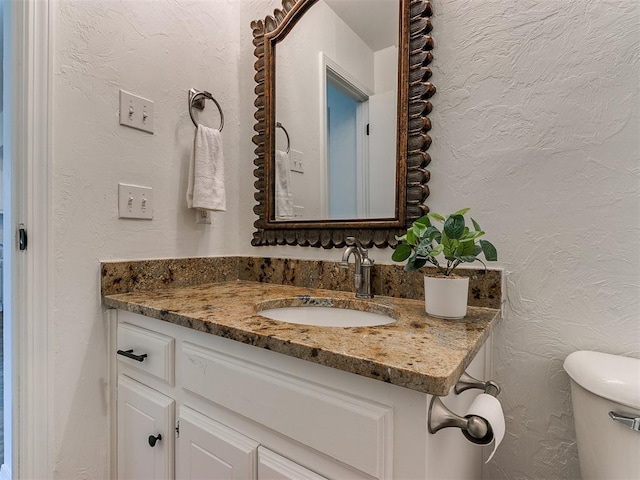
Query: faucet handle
(356, 242)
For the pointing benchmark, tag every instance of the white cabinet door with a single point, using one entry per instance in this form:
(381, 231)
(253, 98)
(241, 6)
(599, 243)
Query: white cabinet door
(209, 450)
(144, 413)
(272, 466)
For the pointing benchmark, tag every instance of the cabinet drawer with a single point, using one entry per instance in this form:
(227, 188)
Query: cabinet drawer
(353, 430)
(153, 352)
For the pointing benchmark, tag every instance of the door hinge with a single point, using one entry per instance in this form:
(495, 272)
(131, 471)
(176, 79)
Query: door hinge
(22, 237)
(178, 429)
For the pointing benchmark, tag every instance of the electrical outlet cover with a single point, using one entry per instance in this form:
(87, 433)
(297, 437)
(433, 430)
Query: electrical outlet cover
(203, 216)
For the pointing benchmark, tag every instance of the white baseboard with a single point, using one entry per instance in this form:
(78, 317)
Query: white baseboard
(5, 473)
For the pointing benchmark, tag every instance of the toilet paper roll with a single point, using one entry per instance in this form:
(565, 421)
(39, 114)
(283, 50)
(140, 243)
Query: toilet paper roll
(489, 408)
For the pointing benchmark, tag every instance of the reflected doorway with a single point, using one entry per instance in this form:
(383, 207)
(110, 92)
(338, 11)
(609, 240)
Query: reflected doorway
(347, 148)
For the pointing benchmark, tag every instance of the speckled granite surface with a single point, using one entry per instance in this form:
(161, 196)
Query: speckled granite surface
(146, 275)
(417, 352)
(387, 280)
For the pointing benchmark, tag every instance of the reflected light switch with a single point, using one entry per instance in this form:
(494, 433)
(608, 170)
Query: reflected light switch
(297, 161)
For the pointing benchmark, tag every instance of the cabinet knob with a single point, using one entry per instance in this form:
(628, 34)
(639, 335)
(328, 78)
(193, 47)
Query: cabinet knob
(153, 440)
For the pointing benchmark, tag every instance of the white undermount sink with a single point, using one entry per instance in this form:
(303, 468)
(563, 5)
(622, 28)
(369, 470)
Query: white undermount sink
(325, 313)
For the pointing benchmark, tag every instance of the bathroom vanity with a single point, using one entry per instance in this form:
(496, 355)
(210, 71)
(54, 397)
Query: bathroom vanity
(208, 388)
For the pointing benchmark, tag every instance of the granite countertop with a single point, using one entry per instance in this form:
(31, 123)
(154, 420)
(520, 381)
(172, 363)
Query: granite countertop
(417, 351)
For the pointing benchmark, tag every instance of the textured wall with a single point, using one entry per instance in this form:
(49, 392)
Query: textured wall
(158, 50)
(537, 128)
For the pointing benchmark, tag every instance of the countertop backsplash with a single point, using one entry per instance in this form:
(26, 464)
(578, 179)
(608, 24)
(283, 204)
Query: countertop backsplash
(485, 288)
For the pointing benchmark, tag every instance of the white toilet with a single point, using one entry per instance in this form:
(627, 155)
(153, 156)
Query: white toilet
(605, 391)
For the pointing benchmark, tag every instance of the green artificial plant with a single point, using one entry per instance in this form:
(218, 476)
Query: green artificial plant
(424, 242)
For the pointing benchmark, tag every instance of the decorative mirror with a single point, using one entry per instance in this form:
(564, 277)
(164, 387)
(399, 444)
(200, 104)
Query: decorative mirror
(342, 100)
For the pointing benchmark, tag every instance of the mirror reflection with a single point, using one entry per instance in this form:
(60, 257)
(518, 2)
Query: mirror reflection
(336, 79)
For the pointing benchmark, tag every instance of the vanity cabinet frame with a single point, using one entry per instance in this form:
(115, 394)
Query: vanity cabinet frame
(250, 380)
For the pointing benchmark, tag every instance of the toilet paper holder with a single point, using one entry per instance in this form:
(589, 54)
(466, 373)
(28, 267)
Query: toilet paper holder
(476, 429)
(467, 382)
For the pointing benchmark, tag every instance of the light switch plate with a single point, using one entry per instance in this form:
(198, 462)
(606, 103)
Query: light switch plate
(136, 112)
(297, 164)
(135, 201)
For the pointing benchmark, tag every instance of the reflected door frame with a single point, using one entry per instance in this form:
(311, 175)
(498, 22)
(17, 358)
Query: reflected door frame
(362, 167)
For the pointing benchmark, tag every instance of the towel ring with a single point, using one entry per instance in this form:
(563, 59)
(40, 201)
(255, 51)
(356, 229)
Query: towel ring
(196, 99)
(279, 125)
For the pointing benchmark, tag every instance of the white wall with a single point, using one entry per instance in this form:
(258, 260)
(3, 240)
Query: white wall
(158, 50)
(382, 138)
(536, 127)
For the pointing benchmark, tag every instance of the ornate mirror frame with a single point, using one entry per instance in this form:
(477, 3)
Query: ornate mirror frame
(412, 139)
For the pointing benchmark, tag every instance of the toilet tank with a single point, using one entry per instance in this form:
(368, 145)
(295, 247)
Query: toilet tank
(602, 383)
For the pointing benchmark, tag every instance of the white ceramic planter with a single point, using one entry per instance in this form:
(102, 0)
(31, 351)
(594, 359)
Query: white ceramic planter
(446, 297)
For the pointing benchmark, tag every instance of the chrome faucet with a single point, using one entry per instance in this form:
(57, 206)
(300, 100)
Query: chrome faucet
(362, 275)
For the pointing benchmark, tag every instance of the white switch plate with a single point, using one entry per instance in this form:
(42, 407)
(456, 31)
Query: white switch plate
(136, 112)
(297, 161)
(135, 201)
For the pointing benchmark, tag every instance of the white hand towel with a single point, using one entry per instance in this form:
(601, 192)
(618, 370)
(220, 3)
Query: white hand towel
(205, 189)
(284, 197)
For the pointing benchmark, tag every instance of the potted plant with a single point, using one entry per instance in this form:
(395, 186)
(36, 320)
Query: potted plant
(445, 293)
